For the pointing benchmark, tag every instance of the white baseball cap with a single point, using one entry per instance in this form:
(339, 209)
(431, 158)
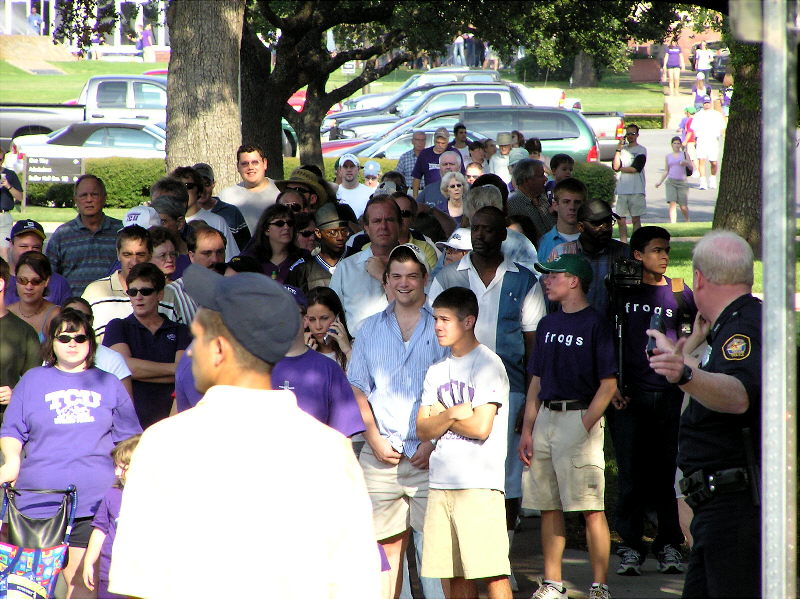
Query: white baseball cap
(351, 157)
(144, 216)
(461, 239)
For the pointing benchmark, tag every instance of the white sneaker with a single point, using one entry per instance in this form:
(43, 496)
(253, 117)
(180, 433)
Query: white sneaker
(549, 591)
(702, 186)
(712, 183)
(600, 592)
(695, 174)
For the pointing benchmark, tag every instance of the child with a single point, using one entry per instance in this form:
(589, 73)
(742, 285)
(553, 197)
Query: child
(573, 381)
(677, 189)
(561, 166)
(105, 523)
(465, 407)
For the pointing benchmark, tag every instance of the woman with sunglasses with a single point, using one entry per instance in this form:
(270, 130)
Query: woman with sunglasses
(63, 420)
(453, 187)
(305, 226)
(33, 272)
(273, 244)
(150, 342)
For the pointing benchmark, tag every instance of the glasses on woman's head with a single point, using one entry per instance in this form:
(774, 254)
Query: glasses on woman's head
(64, 338)
(295, 207)
(134, 291)
(282, 223)
(26, 281)
(455, 186)
(305, 233)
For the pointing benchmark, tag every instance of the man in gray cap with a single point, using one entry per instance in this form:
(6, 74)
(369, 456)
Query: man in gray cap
(242, 430)
(232, 215)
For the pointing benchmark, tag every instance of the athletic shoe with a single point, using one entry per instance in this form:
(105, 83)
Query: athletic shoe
(669, 560)
(695, 174)
(630, 562)
(549, 591)
(712, 183)
(599, 592)
(702, 186)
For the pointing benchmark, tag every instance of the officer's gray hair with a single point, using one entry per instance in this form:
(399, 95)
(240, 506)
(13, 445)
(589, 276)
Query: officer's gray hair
(724, 258)
(478, 197)
(524, 170)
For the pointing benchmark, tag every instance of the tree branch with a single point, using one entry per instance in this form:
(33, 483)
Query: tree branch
(368, 75)
(387, 42)
(269, 14)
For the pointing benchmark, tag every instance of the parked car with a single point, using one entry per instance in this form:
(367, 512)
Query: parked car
(90, 140)
(560, 130)
(609, 128)
(719, 66)
(391, 147)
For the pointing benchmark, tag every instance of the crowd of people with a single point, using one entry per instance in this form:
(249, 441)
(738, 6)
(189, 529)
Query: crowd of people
(455, 319)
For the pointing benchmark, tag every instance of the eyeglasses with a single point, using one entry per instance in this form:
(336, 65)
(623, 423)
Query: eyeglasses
(602, 226)
(455, 186)
(190, 186)
(406, 213)
(166, 256)
(26, 281)
(450, 251)
(305, 233)
(343, 232)
(282, 223)
(294, 206)
(64, 338)
(134, 291)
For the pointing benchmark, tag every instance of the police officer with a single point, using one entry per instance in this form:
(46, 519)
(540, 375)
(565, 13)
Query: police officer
(719, 442)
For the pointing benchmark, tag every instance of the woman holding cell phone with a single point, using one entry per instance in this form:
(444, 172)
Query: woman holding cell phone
(327, 325)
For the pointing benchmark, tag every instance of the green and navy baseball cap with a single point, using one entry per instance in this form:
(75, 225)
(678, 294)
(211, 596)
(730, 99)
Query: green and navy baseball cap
(573, 264)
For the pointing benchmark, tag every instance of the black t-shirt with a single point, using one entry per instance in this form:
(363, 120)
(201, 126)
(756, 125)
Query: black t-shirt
(6, 199)
(711, 440)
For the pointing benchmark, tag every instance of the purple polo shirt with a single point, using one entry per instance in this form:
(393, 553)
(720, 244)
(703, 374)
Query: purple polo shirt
(186, 394)
(152, 401)
(57, 291)
(322, 390)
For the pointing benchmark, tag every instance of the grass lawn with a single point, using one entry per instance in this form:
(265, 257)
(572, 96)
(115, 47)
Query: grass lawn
(58, 215)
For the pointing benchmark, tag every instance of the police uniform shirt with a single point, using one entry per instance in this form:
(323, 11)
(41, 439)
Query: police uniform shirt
(712, 440)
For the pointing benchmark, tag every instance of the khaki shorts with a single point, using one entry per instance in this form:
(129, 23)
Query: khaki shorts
(677, 191)
(465, 534)
(630, 204)
(568, 467)
(399, 494)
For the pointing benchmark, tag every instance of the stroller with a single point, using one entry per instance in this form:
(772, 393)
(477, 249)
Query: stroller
(38, 547)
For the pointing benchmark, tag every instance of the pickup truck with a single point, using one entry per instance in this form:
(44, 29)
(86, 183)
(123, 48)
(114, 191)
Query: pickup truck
(609, 128)
(134, 98)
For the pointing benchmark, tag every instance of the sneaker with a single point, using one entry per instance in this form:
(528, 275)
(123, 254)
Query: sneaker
(702, 186)
(548, 590)
(669, 560)
(712, 183)
(630, 562)
(695, 174)
(599, 592)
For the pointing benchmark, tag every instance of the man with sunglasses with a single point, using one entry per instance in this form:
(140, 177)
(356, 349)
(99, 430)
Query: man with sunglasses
(332, 233)
(108, 296)
(232, 215)
(595, 243)
(305, 183)
(629, 161)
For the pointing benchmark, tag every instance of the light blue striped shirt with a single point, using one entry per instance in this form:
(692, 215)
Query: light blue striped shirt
(391, 372)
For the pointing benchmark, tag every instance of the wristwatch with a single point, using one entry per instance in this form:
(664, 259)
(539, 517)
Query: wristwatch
(686, 375)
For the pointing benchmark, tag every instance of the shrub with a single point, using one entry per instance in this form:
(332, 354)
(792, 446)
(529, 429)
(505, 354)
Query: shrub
(599, 178)
(289, 164)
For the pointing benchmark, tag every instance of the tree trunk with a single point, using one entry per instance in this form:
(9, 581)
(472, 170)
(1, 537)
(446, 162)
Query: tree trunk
(738, 207)
(309, 122)
(203, 85)
(583, 71)
(262, 103)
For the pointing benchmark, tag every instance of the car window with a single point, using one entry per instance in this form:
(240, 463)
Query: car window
(119, 137)
(447, 121)
(147, 95)
(111, 94)
(548, 125)
(398, 147)
(444, 101)
(489, 122)
(97, 139)
(488, 99)
(410, 99)
(479, 78)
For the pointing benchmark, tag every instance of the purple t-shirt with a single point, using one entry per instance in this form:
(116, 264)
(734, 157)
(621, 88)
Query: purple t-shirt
(322, 390)
(573, 352)
(640, 304)
(152, 401)
(186, 394)
(57, 291)
(427, 166)
(68, 423)
(105, 520)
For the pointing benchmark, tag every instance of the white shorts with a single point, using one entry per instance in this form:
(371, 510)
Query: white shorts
(708, 150)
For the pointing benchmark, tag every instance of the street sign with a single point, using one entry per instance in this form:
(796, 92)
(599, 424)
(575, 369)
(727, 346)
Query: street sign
(53, 170)
(349, 68)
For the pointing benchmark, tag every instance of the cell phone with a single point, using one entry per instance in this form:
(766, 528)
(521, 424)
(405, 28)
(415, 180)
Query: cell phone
(327, 336)
(657, 323)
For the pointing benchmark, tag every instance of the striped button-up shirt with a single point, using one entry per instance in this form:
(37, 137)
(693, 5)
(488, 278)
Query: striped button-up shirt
(390, 372)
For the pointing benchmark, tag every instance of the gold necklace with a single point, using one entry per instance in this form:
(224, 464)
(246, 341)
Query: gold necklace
(38, 311)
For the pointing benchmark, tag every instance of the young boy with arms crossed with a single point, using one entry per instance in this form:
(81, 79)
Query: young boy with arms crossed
(573, 380)
(465, 406)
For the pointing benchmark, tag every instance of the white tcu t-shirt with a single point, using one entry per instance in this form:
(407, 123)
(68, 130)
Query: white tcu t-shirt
(355, 198)
(459, 462)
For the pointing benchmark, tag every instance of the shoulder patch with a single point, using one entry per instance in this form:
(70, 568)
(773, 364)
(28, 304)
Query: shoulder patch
(737, 347)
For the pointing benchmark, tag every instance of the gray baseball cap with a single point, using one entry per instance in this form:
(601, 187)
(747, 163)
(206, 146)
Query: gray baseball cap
(259, 312)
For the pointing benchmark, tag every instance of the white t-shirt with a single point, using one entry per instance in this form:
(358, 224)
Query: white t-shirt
(628, 183)
(498, 164)
(703, 59)
(111, 361)
(250, 203)
(355, 198)
(218, 223)
(459, 462)
(708, 125)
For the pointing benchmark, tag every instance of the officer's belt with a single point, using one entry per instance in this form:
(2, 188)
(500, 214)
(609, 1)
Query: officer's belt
(566, 405)
(699, 487)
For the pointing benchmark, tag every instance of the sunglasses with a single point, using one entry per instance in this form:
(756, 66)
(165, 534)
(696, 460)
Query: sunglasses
(305, 233)
(406, 213)
(282, 223)
(342, 232)
(602, 225)
(294, 206)
(25, 281)
(64, 338)
(455, 186)
(134, 291)
(166, 256)
(190, 186)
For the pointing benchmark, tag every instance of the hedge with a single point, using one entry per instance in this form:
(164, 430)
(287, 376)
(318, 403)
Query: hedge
(599, 178)
(124, 179)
